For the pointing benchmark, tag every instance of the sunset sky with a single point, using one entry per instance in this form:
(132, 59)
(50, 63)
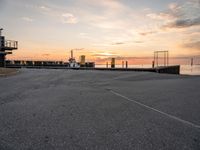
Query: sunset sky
(100, 29)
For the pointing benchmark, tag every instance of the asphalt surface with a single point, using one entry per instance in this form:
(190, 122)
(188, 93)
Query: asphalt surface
(77, 109)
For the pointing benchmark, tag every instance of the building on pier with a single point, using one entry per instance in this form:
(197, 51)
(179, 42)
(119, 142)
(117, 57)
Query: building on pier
(6, 47)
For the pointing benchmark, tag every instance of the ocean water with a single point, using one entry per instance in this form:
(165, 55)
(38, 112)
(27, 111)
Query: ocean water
(185, 69)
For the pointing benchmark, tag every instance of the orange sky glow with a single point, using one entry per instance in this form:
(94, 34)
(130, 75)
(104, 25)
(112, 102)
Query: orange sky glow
(126, 30)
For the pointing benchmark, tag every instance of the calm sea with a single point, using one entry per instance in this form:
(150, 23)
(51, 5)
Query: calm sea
(185, 69)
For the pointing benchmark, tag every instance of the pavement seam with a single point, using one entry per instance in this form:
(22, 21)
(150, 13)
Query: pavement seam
(156, 110)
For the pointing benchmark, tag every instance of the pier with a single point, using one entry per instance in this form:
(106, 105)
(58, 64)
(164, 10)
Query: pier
(164, 69)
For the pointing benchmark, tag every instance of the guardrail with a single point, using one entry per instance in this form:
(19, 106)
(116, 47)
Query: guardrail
(11, 44)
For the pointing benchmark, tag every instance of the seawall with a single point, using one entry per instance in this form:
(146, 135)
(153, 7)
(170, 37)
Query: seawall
(165, 69)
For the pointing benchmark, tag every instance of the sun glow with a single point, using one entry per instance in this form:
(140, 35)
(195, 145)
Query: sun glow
(122, 29)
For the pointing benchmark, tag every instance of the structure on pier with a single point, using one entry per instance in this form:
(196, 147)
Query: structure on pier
(161, 58)
(72, 61)
(74, 64)
(6, 47)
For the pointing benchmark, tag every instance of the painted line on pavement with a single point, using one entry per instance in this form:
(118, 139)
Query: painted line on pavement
(156, 110)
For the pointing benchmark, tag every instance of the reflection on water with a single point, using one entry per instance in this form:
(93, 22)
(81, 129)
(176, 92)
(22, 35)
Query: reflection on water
(185, 69)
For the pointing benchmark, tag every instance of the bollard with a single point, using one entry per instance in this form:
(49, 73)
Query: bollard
(153, 64)
(126, 64)
(113, 63)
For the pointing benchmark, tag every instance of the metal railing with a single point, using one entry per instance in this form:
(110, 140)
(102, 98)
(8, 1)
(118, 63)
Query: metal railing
(11, 44)
(161, 58)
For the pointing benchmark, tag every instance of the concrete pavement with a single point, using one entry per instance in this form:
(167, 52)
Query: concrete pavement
(77, 109)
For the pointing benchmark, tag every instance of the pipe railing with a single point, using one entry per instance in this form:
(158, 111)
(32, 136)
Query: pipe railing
(11, 44)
